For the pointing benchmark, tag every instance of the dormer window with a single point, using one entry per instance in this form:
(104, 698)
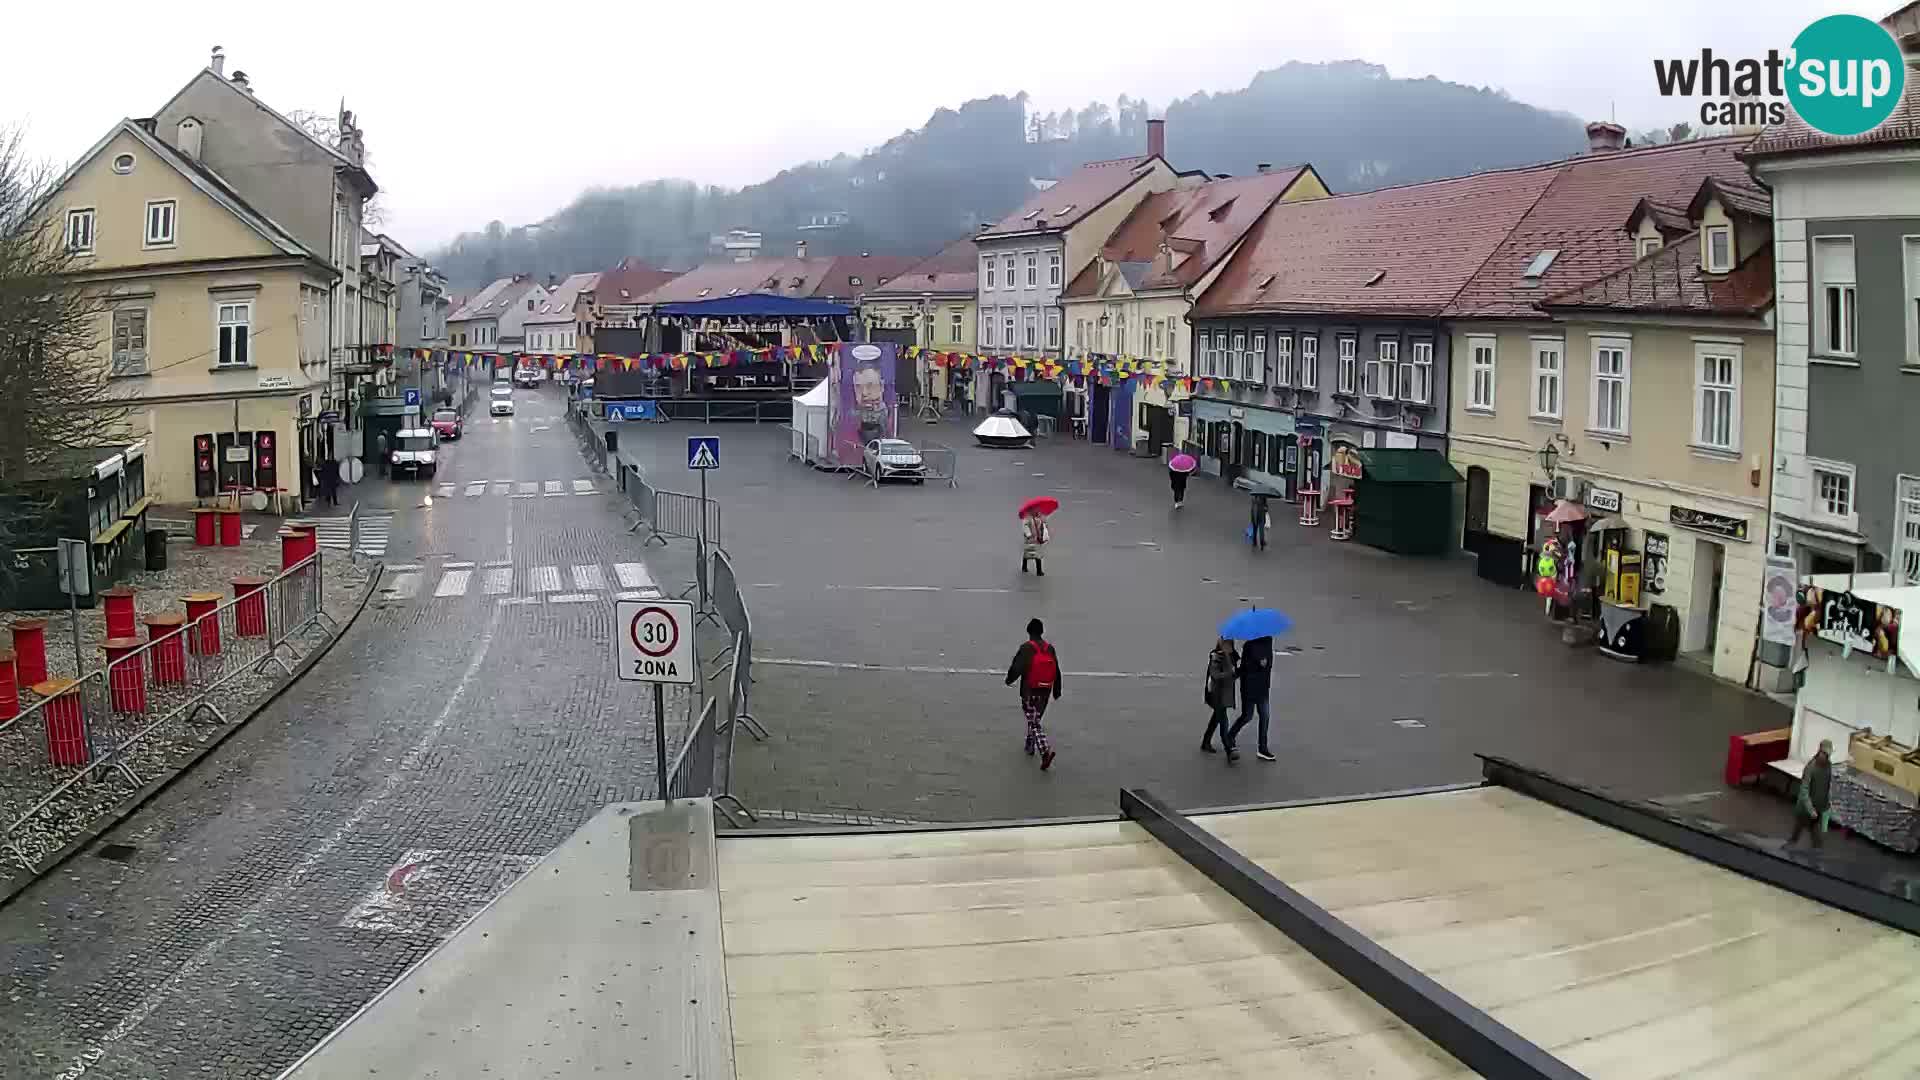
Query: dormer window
(1030, 215)
(1646, 246)
(854, 281)
(1375, 279)
(1220, 211)
(1064, 211)
(1717, 247)
(701, 295)
(1538, 267)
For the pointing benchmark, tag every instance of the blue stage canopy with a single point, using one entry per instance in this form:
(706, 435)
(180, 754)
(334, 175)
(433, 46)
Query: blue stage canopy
(764, 304)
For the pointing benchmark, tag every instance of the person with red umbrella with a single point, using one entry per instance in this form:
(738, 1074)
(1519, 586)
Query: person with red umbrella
(1034, 532)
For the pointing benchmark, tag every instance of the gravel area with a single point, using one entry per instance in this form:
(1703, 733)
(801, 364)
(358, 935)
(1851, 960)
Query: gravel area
(26, 774)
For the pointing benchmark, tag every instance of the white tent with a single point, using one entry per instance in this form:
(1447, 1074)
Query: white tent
(812, 425)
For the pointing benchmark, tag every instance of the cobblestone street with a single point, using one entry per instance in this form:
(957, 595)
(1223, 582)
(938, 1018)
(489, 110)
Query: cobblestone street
(450, 739)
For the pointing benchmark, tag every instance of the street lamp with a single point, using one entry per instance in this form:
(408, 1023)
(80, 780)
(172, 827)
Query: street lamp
(1550, 454)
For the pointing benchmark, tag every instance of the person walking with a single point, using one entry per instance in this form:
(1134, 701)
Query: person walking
(1814, 804)
(1179, 487)
(1258, 535)
(1256, 682)
(381, 447)
(1036, 667)
(330, 482)
(1034, 535)
(1223, 665)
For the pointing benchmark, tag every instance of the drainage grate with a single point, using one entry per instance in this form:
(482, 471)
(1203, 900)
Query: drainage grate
(116, 852)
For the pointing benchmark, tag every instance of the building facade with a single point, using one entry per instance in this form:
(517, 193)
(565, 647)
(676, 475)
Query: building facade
(934, 300)
(554, 326)
(494, 319)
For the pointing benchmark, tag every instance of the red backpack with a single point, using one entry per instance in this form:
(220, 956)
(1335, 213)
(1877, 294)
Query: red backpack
(1043, 669)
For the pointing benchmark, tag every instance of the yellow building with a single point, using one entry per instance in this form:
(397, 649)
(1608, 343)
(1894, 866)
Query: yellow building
(1650, 391)
(936, 301)
(1133, 297)
(215, 320)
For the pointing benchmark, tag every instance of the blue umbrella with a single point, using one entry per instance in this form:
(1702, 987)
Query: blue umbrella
(1255, 623)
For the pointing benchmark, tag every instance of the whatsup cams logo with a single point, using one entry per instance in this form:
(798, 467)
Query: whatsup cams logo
(1843, 76)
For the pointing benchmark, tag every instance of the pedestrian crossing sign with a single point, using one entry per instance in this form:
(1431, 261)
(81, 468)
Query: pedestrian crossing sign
(703, 451)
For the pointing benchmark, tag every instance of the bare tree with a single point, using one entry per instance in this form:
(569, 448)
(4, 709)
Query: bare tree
(327, 130)
(57, 396)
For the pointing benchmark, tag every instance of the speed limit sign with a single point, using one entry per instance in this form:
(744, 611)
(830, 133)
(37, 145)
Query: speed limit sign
(653, 641)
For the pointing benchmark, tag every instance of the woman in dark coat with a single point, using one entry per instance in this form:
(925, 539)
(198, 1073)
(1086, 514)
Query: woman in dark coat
(1223, 666)
(1256, 682)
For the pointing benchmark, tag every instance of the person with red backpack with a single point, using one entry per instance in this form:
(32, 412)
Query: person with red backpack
(1036, 667)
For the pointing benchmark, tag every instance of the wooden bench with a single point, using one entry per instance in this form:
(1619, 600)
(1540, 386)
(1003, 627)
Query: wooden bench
(1749, 755)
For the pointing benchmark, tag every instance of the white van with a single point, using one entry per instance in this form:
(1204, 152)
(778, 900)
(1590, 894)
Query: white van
(416, 450)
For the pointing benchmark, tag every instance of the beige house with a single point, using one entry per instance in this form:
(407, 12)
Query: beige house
(216, 326)
(1650, 393)
(936, 301)
(1132, 299)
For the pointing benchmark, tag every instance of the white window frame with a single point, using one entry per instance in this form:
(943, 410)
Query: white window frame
(1053, 328)
(1347, 347)
(987, 274)
(221, 323)
(1378, 380)
(1603, 350)
(1006, 268)
(1119, 336)
(1906, 529)
(1236, 349)
(131, 361)
(1053, 269)
(171, 218)
(80, 227)
(1033, 269)
(1707, 236)
(1030, 323)
(956, 325)
(1483, 372)
(1418, 371)
(1703, 353)
(1283, 359)
(1007, 329)
(1844, 293)
(1647, 245)
(1257, 359)
(986, 328)
(1910, 264)
(1309, 364)
(1208, 355)
(1539, 376)
(1818, 470)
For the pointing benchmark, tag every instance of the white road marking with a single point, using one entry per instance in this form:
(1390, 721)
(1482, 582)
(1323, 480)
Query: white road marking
(476, 487)
(453, 583)
(308, 863)
(398, 568)
(457, 566)
(888, 588)
(553, 489)
(403, 586)
(516, 600)
(633, 575)
(925, 669)
(500, 562)
(502, 487)
(498, 580)
(583, 487)
(527, 487)
(984, 590)
(545, 579)
(589, 577)
(641, 594)
(572, 598)
(445, 491)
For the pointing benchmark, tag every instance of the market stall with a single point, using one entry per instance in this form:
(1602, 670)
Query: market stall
(1402, 500)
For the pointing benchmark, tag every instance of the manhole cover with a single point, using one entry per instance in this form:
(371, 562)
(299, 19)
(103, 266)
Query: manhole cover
(116, 852)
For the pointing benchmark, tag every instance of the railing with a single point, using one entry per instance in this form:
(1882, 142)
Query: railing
(941, 464)
(677, 516)
(714, 410)
(106, 721)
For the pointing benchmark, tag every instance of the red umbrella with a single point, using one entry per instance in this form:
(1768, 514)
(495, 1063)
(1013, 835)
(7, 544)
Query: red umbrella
(1039, 504)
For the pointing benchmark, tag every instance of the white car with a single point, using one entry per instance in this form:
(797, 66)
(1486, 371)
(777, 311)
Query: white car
(894, 459)
(502, 403)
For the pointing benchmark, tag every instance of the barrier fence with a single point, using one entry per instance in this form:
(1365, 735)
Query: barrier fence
(102, 723)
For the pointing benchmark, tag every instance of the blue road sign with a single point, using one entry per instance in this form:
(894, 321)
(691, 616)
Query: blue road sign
(410, 397)
(630, 410)
(703, 451)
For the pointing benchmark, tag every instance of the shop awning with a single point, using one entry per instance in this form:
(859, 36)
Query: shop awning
(1407, 467)
(1036, 388)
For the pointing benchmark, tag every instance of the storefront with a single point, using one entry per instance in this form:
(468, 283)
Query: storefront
(1235, 441)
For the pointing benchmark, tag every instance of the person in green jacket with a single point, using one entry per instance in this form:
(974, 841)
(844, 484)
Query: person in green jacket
(1814, 804)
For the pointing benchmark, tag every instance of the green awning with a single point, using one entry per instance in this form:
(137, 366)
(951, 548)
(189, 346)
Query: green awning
(1407, 467)
(1036, 388)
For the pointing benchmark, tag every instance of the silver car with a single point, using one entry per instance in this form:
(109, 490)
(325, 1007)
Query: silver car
(894, 459)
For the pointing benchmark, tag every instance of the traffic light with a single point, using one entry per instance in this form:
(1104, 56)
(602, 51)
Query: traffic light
(264, 465)
(205, 480)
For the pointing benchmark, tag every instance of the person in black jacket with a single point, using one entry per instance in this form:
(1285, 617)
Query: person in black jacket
(1256, 682)
(1036, 667)
(1223, 664)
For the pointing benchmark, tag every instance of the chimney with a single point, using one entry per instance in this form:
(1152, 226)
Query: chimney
(240, 80)
(1265, 167)
(1157, 138)
(1604, 136)
(187, 138)
(219, 62)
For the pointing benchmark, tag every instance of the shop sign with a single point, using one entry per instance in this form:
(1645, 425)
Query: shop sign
(1346, 462)
(1236, 414)
(276, 382)
(1605, 499)
(1733, 528)
(1848, 621)
(1655, 567)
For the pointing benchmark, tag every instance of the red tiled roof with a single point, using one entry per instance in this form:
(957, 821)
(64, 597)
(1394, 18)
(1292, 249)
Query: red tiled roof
(1795, 136)
(782, 277)
(953, 269)
(1079, 193)
(1580, 215)
(629, 281)
(1423, 240)
(850, 277)
(1202, 223)
(1670, 281)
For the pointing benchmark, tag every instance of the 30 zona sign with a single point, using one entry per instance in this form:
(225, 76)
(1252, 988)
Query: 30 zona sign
(653, 641)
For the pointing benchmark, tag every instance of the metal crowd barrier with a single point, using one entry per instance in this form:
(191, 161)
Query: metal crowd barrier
(710, 410)
(732, 608)
(676, 515)
(95, 725)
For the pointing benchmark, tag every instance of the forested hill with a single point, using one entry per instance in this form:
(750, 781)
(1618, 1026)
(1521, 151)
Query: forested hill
(1359, 126)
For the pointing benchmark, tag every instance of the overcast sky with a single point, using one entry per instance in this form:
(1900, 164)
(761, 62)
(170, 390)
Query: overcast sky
(475, 112)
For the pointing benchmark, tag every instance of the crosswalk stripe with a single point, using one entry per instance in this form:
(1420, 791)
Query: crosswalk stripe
(528, 487)
(553, 488)
(476, 487)
(583, 487)
(572, 598)
(640, 594)
(632, 575)
(404, 586)
(588, 577)
(502, 487)
(453, 583)
(498, 580)
(545, 579)
(375, 531)
(445, 491)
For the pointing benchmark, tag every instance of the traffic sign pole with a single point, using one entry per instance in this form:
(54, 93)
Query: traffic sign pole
(653, 642)
(660, 741)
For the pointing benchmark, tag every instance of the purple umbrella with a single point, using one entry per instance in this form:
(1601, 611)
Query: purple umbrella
(1183, 463)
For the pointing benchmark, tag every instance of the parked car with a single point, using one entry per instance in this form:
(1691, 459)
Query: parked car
(414, 451)
(502, 401)
(446, 423)
(528, 377)
(894, 459)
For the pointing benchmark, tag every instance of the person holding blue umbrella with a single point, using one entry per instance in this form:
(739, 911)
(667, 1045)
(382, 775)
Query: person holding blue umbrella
(1257, 627)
